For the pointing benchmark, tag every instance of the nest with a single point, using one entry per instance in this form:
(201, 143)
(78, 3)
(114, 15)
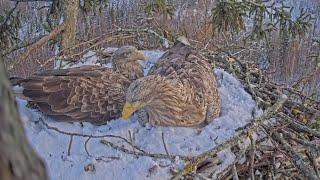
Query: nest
(284, 147)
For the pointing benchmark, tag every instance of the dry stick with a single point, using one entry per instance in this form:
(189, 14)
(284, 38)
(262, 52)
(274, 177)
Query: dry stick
(234, 172)
(148, 31)
(288, 151)
(109, 39)
(85, 135)
(74, 56)
(153, 155)
(38, 44)
(242, 135)
(133, 149)
(293, 137)
(277, 145)
(296, 92)
(97, 158)
(313, 162)
(239, 156)
(295, 158)
(201, 177)
(261, 92)
(103, 141)
(22, 45)
(85, 146)
(70, 144)
(274, 167)
(255, 123)
(86, 42)
(253, 151)
(299, 127)
(164, 144)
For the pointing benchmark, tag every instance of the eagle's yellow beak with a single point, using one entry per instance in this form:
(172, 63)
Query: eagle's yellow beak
(129, 109)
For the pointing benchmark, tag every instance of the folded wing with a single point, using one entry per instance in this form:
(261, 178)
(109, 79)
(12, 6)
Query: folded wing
(87, 93)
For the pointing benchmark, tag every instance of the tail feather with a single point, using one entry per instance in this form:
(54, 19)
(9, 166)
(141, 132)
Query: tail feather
(32, 85)
(35, 95)
(30, 89)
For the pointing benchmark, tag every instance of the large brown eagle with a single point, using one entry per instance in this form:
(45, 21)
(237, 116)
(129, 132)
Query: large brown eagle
(180, 90)
(88, 93)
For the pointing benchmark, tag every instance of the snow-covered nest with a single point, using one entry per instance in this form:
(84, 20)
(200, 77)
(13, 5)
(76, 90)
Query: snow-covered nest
(91, 159)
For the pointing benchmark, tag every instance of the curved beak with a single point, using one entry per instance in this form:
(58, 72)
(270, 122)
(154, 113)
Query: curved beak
(129, 109)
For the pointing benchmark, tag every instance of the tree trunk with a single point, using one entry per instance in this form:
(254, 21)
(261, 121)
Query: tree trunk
(71, 10)
(17, 159)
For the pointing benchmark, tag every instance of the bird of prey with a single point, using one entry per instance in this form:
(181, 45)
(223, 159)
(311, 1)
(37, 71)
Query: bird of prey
(179, 90)
(88, 93)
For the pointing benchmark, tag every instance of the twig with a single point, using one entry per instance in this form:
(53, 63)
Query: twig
(101, 158)
(103, 141)
(164, 144)
(86, 147)
(23, 45)
(153, 155)
(313, 162)
(85, 135)
(296, 159)
(70, 144)
(292, 136)
(131, 141)
(255, 123)
(234, 172)
(109, 39)
(299, 127)
(253, 151)
(201, 177)
(148, 31)
(37, 45)
(239, 156)
(234, 141)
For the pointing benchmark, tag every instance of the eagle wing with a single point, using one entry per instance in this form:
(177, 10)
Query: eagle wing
(185, 65)
(87, 93)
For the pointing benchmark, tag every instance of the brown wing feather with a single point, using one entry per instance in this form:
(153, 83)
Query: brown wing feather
(186, 66)
(88, 93)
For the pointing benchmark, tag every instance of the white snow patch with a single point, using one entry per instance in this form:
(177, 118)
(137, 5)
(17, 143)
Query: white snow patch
(237, 108)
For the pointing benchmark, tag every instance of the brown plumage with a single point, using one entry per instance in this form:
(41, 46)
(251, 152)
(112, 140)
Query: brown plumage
(180, 90)
(88, 93)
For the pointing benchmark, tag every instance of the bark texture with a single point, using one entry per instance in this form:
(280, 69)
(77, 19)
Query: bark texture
(17, 159)
(71, 10)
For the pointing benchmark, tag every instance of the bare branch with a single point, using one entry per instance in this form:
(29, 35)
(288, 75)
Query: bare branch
(38, 44)
(297, 160)
(153, 155)
(164, 144)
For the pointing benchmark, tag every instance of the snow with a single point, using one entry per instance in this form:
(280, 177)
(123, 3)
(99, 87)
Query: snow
(109, 163)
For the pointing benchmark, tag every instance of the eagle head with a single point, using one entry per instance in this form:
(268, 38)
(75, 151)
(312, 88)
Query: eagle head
(129, 61)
